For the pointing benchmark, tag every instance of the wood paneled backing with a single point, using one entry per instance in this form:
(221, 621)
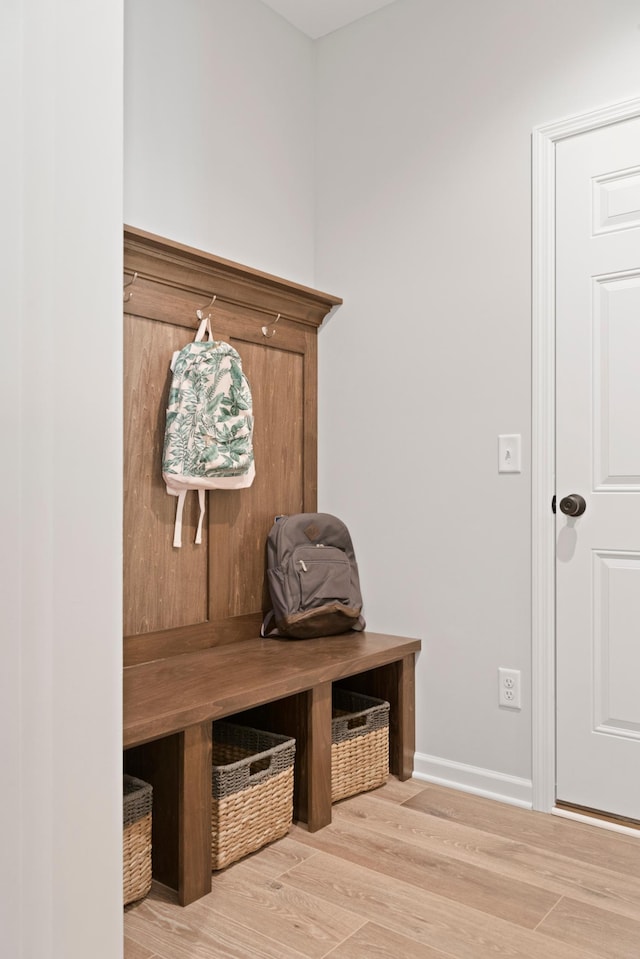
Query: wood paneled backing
(163, 586)
(185, 639)
(310, 400)
(214, 591)
(155, 299)
(198, 272)
(240, 521)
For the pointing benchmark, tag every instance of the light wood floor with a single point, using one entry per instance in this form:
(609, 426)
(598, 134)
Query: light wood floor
(412, 870)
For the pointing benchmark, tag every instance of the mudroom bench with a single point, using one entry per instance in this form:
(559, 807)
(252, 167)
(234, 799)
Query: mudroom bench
(283, 685)
(192, 615)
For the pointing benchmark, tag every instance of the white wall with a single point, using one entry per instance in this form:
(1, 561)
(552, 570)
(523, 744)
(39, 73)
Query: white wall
(219, 125)
(10, 542)
(415, 207)
(61, 177)
(425, 113)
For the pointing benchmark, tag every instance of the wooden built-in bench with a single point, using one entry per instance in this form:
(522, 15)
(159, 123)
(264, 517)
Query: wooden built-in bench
(285, 686)
(191, 616)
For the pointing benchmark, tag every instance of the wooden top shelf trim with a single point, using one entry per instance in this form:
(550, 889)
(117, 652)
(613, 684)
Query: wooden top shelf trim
(168, 695)
(158, 260)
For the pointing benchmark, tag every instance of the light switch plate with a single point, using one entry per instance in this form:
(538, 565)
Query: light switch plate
(509, 453)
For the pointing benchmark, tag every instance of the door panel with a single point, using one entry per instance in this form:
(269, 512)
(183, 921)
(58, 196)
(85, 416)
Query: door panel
(598, 457)
(616, 661)
(616, 383)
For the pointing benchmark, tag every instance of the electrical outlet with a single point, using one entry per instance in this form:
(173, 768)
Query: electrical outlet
(509, 688)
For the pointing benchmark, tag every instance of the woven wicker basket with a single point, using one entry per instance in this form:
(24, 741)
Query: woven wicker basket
(359, 743)
(136, 838)
(252, 790)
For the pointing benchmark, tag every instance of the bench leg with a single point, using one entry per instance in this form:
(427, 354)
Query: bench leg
(403, 724)
(194, 814)
(314, 788)
(396, 684)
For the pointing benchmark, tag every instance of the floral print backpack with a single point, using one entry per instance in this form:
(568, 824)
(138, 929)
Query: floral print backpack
(208, 441)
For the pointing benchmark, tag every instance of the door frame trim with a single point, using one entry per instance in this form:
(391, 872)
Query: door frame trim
(543, 698)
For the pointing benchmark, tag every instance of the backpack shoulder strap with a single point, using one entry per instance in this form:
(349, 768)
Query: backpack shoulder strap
(268, 625)
(177, 529)
(205, 327)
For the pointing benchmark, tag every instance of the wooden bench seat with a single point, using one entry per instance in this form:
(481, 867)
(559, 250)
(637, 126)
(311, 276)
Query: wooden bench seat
(169, 706)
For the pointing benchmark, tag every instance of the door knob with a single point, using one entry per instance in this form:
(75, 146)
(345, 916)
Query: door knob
(573, 505)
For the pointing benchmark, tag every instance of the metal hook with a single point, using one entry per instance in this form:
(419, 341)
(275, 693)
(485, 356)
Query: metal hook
(127, 296)
(200, 313)
(265, 331)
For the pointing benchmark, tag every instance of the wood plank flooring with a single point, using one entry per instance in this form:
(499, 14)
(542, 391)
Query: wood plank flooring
(411, 871)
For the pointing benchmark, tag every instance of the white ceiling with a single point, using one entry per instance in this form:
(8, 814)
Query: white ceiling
(319, 17)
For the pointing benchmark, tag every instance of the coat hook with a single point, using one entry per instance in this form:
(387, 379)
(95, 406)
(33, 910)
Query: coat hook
(265, 330)
(127, 296)
(200, 313)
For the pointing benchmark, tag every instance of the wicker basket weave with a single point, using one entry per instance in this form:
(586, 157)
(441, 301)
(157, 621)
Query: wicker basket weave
(359, 743)
(136, 838)
(252, 790)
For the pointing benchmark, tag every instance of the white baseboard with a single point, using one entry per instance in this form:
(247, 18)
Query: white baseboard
(471, 779)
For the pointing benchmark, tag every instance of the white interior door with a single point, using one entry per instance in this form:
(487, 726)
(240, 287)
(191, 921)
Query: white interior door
(598, 457)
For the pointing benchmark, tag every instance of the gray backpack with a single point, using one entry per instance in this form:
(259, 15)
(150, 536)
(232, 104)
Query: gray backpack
(313, 578)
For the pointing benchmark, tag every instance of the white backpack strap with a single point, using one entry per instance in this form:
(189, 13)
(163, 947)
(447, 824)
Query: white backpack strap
(177, 529)
(202, 502)
(205, 326)
(268, 625)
